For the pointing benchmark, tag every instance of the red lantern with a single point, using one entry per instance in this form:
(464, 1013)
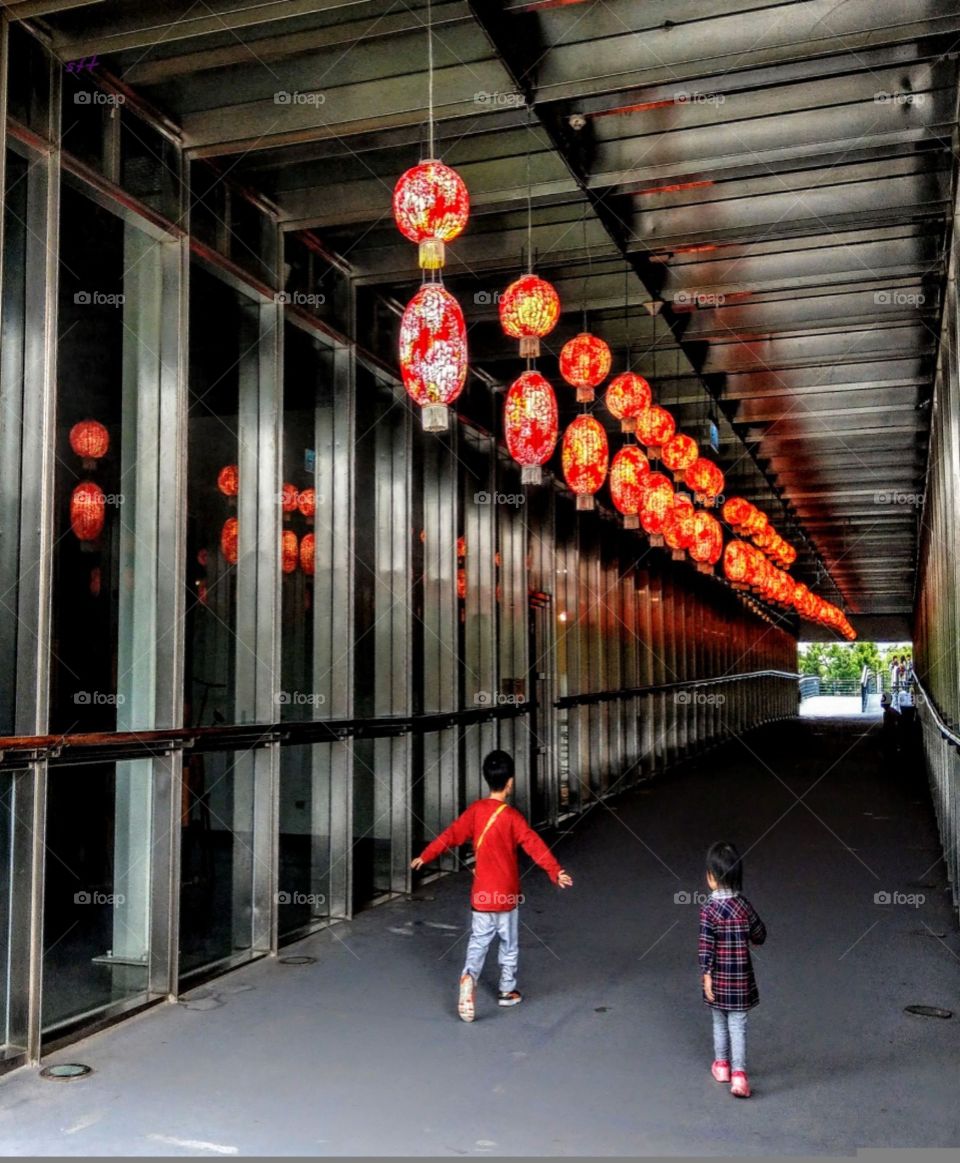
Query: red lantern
(288, 497)
(229, 537)
(87, 511)
(627, 474)
(90, 441)
(626, 398)
(529, 309)
(530, 423)
(655, 426)
(431, 206)
(307, 549)
(655, 504)
(707, 543)
(585, 362)
(679, 453)
(736, 563)
(289, 551)
(704, 478)
(228, 480)
(461, 583)
(736, 511)
(755, 523)
(307, 503)
(678, 526)
(433, 353)
(585, 458)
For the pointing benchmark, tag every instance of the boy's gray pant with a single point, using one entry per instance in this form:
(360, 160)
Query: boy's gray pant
(485, 927)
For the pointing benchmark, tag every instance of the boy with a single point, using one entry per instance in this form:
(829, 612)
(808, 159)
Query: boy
(496, 830)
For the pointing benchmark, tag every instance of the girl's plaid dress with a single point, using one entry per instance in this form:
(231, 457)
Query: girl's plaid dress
(728, 925)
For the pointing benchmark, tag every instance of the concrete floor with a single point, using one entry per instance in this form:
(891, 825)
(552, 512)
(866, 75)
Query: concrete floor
(610, 1052)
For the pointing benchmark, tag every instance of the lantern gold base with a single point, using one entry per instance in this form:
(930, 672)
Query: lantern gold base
(653, 453)
(436, 418)
(628, 424)
(631, 521)
(531, 474)
(432, 254)
(657, 540)
(704, 567)
(585, 395)
(678, 554)
(585, 502)
(529, 347)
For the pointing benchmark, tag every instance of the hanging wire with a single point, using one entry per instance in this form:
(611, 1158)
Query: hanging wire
(430, 75)
(529, 204)
(626, 312)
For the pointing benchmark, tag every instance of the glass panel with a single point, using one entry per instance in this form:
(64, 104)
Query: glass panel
(6, 864)
(305, 856)
(28, 85)
(216, 858)
(96, 891)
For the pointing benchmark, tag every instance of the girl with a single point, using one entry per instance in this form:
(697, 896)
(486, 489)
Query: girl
(729, 925)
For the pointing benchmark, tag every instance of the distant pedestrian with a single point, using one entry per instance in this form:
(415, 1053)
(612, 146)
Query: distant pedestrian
(729, 925)
(864, 688)
(890, 730)
(496, 831)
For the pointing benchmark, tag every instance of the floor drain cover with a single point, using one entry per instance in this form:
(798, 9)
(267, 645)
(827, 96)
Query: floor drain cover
(929, 933)
(600, 1009)
(929, 1011)
(66, 1070)
(297, 960)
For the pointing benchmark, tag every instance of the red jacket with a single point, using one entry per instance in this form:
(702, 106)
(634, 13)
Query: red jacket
(496, 884)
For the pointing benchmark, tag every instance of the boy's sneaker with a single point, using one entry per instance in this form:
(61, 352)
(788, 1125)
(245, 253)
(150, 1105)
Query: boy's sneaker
(465, 1006)
(513, 998)
(721, 1071)
(739, 1086)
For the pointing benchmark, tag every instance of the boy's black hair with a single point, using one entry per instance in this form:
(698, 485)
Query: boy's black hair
(725, 866)
(498, 770)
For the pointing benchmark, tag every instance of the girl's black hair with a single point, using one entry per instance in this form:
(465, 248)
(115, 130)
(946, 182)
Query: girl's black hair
(498, 770)
(725, 866)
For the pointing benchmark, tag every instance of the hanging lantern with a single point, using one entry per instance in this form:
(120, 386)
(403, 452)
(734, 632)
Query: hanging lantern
(307, 548)
(431, 206)
(433, 353)
(678, 526)
(736, 563)
(530, 423)
(627, 396)
(707, 544)
(679, 453)
(228, 480)
(90, 441)
(95, 581)
(704, 478)
(307, 503)
(529, 309)
(585, 458)
(289, 551)
(461, 583)
(288, 498)
(655, 426)
(755, 523)
(87, 511)
(736, 511)
(627, 474)
(657, 500)
(229, 536)
(585, 362)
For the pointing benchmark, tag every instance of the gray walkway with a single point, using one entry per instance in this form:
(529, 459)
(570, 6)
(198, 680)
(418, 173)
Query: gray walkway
(361, 1052)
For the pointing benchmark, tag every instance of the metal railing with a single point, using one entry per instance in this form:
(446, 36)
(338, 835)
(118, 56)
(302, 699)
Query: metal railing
(941, 747)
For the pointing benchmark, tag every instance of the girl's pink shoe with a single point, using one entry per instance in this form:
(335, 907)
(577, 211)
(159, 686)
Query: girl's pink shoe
(739, 1086)
(721, 1071)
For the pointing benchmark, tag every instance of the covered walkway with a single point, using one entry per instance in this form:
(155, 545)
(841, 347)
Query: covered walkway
(360, 1052)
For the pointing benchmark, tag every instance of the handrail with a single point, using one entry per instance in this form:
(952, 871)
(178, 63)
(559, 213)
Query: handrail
(16, 751)
(947, 732)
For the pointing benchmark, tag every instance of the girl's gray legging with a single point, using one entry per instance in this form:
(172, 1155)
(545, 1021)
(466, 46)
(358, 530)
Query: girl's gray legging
(730, 1037)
